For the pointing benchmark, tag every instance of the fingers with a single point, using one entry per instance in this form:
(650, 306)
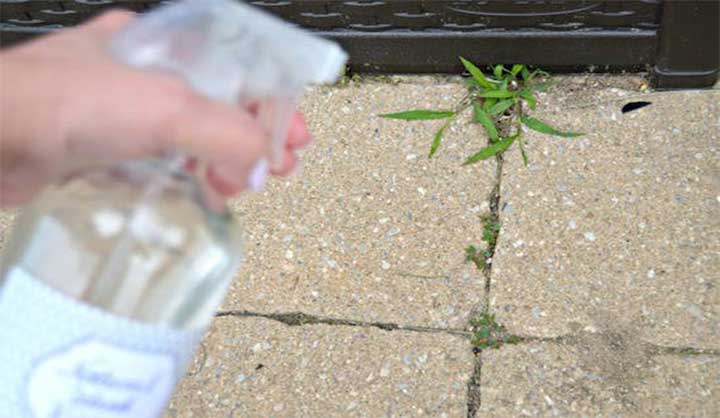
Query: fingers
(289, 165)
(298, 138)
(21, 179)
(16, 196)
(228, 139)
(225, 178)
(298, 134)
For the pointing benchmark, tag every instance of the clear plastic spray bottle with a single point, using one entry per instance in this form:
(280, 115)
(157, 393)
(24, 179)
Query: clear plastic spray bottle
(111, 278)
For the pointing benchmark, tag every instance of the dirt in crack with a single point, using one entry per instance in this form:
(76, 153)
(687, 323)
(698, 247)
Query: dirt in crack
(483, 259)
(474, 394)
(491, 230)
(296, 319)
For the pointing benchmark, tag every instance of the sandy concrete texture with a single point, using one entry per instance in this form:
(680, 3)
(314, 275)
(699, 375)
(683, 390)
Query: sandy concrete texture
(372, 229)
(619, 226)
(262, 368)
(597, 376)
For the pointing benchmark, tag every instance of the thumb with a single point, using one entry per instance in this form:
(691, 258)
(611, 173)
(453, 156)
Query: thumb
(231, 143)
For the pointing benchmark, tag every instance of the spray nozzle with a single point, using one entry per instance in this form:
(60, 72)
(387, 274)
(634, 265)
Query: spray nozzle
(234, 53)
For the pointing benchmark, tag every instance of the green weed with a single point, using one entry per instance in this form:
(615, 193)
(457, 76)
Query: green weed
(487, 333)
(483, 258)
(509, 92)
(475, 256)
(491, 230)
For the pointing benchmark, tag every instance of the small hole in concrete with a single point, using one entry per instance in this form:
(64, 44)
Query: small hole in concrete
(629, 107)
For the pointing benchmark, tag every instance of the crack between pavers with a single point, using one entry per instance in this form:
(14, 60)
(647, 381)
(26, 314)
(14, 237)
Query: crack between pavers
(422, 276)
(572, 340)
(494, 218)
(660, 350)
(295, 319)
(474, 386)
(301, 319)
(474, 392)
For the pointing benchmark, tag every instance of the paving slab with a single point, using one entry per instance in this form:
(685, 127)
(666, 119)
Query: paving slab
(262, 368)
(620, 225)
(7, 220)
(597, 378)
(372, 229)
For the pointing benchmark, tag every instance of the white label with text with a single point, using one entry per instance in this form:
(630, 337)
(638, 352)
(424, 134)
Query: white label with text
(94, 379)
(62, 358)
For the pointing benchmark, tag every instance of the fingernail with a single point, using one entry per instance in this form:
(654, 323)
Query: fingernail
(258, 175)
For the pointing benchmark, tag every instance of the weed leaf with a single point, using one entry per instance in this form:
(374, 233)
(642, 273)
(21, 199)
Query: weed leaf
(496, 94)
(438, 138)
(500, 107)
(542, 127)
(522, 150)
(529, 76)
(419, 115)
(491, 150)
(526, 74)
(498, 70)
(471, 83)
(504, 84)
(488, 104)
(529, 98)
(516, 69)
(476, 73)
(483, 118)
(542, 73)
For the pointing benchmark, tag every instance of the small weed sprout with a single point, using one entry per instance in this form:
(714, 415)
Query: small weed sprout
(483, 258)
(487, 333)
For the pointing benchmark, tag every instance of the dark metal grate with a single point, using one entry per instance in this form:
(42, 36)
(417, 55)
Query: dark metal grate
(468, 15)
(680, 38)
(385, 15)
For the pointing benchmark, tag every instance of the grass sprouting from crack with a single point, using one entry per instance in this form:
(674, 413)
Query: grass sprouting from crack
(500, 103)
(491, 230)
(477, 257)
(487, 333)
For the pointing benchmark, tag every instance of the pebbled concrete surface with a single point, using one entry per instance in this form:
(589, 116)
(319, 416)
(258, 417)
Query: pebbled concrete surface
(372, 230)
(7, 219)
(620, 225)
(607, 378)
(609, 241)
(261, 368)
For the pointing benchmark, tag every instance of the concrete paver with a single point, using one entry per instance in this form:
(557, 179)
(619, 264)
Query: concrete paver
(621, 225)
(611, 240)
(7, 219)
(372, 230)
(605, 379)
(261, 368)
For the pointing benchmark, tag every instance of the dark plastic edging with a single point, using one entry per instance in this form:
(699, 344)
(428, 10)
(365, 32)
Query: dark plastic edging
(438, 52)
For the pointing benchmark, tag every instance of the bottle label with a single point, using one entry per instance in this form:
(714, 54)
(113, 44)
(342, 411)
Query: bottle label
(65, 359)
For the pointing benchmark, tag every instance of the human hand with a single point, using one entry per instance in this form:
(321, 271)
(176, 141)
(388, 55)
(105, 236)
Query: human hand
(67, 105)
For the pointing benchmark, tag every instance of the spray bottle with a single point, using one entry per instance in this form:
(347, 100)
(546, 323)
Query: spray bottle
(111, 278)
